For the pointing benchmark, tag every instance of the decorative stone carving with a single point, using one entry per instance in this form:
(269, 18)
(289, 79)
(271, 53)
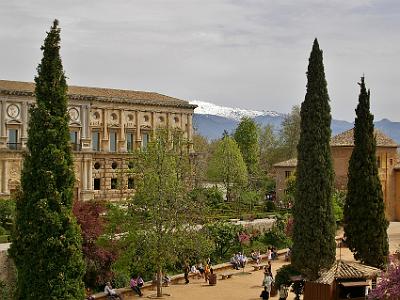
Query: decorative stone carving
(130, 120)
(95, 118)
(73, 114)
(13, 111)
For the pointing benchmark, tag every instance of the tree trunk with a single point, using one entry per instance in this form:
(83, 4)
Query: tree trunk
(159, 283)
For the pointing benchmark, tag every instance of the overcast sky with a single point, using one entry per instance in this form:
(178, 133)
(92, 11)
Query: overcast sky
(249, 54)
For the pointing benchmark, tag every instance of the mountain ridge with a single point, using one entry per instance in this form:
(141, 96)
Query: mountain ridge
(212, 120)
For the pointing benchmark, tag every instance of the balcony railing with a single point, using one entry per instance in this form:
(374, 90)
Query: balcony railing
(14, 146)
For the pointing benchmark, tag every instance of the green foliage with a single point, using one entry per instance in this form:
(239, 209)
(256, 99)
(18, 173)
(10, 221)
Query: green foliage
(46, 245)
(314, 223)
(270, 206)
(7, 290)
(227, 166)
(161, 217)
(338, 199)
(280, 146)
(365, 224)
(284, 274)
(225, 237)
(290, 133)
(3, 231)
(246, 137)
(277, 236)
(7, 212)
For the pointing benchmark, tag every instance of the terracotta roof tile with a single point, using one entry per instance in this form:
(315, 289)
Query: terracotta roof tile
(288, 163)
(347, 270)
(346, 138)
(101, 94)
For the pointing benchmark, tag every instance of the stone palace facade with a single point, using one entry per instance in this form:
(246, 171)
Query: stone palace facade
(341, 147)
(105, 125)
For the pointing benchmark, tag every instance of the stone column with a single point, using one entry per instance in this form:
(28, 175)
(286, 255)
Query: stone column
(89, 174)
(83, 174)
(24, 123)
(122, 122)
(84, 121)
(85, 134)
(104, 142)
(4, 177)
(3, 118)
(138, 115)
(153, 123)
(3, 134)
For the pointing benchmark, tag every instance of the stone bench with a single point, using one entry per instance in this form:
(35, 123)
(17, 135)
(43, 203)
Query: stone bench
(226, 275)
(259, 267)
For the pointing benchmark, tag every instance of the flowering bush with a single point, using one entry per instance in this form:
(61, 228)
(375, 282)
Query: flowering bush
(388, 288)
(98, 259)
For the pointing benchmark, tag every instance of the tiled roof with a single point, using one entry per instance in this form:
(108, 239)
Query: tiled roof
(346, 138)
(288, 163)
(347, 270)
(101, 94)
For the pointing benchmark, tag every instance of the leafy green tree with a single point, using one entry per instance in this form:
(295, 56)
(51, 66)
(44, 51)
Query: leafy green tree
(290, 133)
(225, 237)
(269, 147)
(7, 211)
(227, 166)
(365, 224)
(314, 223)
(162, 217)
(46, 245)
(246, 137)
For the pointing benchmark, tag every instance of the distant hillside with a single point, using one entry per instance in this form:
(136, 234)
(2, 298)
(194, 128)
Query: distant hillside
(211, 120)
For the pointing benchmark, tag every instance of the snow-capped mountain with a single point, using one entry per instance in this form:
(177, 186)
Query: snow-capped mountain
(212, 120)
(206, 108)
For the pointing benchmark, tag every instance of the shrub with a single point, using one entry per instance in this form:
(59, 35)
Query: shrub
(270, 206)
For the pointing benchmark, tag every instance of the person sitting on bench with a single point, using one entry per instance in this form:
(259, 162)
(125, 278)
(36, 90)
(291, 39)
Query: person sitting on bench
(111, 293)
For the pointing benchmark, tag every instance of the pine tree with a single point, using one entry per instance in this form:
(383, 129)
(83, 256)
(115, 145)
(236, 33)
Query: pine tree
(246, 137)
(314, 223)
(364, 212)
(46, 246)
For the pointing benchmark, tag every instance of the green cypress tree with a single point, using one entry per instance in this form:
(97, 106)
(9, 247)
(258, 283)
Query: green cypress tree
(365, 224)
(46, 246)
(246, 137)
(314, 223)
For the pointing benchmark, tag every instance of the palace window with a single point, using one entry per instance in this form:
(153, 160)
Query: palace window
(96, 184)
(129, 141)
(96, 140)
(145, 140)
(131, 183)
(74, 139)
(13, 139)
(114, 183)
(378, 161)
(287, 174)
(113, 140)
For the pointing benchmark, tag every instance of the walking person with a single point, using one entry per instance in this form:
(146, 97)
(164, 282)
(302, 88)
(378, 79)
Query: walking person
(186, 270)
(267, 282)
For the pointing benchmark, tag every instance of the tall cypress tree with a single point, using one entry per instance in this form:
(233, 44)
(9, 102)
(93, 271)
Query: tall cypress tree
(46, 246)
(365, 224)
(314, 223)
